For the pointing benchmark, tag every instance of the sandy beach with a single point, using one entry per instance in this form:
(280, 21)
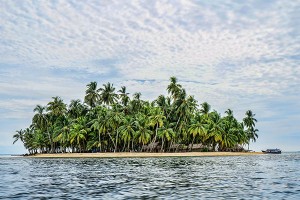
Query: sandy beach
(142, 155)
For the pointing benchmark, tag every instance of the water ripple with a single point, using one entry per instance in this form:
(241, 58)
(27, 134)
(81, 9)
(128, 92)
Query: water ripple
(253, 177)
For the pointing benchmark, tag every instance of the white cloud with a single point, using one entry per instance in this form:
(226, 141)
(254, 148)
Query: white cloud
(153, 40)
(226, 53)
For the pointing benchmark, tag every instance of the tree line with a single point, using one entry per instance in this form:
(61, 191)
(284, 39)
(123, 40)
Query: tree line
(112, 121)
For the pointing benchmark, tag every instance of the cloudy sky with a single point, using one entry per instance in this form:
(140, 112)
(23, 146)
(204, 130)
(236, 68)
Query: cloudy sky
(232, 54)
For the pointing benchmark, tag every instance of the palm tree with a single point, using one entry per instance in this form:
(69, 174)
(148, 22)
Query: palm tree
(76, 109)
(249, 122)
(174, 88)
(242, 134)
(97, 126)
(229, 113)
(28, 140)
(165, 133)
(56, 110)
(18, 136)
(164, 103)
(143, 133)
(41, 123)
(57, 107)
(251, 134)
(116, 120)
(205, 108)
(62, 132)
(156, 120)
(91, 94)
(136, 103)
(104, 125)
(127, 131)
(198, 128)
(228, 135)
(184, 108)
(38, 141)
(124, 96)
(79, 132)
(215, 129)
(40, 118)
(107, 94)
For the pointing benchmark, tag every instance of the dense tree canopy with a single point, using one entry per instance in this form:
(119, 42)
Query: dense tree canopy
(110, 121)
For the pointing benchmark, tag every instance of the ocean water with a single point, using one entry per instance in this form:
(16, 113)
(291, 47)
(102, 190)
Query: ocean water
(241, 177)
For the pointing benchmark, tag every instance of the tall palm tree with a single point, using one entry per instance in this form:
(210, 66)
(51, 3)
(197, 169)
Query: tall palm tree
(136, 103)
(40, 118)
(124, 96)
(164, 103)
(249, 122)
(91, 94)
(56, 111)
(184, 109)
(41, 123)
(174, 88)
(205, 108)
(107, 94)
(57, 107)
(76, 109)
(156, 120)
(97, 126)
(116, 121)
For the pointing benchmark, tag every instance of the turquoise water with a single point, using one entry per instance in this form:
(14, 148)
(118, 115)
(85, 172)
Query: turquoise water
(241, 177)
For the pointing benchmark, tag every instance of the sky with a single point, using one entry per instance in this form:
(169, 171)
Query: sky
(233, 54)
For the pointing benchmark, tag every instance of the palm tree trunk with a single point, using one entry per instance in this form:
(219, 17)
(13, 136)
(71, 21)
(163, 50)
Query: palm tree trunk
(50, 140)
(124, 147)
(142, 147)
(177, 122)
(162, 144)
(112, 140)
(171, 143)
(100, 141)
(154, 139)
(192, 144)
(177, 147)
(116, 141)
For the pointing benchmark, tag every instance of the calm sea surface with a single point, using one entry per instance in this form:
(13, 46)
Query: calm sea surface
(242, 177)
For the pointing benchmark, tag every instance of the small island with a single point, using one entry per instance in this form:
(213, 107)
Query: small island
(110, 123)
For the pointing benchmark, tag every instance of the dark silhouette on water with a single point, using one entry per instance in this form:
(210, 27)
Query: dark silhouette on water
(272, 151)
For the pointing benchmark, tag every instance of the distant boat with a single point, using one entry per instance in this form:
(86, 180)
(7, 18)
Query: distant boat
(272, 151)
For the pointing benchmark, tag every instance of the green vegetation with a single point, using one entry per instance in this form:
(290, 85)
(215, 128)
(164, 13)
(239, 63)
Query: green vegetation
(110, 121)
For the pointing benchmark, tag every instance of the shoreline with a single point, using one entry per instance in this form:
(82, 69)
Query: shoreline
(142, 155)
